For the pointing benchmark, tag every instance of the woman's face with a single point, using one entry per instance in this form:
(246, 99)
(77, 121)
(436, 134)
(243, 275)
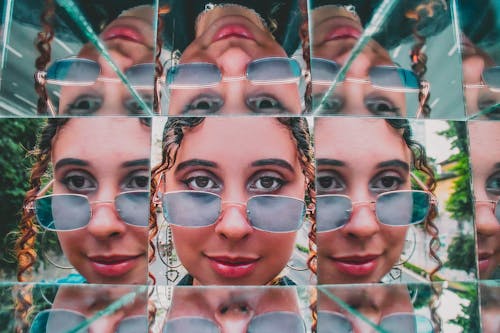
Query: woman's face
(236, 159)
(101, 158)
(485, 157)
(232, 310)
(335, 32)
(129, 40)
(231, 37)
(360, 158)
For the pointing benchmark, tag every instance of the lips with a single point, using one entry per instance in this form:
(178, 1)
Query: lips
(356, 265)
(484, 262)
(233, 267)
(343, 32)
(112, 266)
(233, 30)
(123, 32)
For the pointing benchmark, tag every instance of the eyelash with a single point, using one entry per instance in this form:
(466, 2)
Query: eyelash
(75, 175)
(277, 182)
(493, 184)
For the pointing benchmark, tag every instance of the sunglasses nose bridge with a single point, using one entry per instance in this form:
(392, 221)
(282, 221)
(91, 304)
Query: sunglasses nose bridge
(487, 223)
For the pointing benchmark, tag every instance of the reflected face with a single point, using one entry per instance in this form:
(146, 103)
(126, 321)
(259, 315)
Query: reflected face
(101, 158)
(477, 95)
(334, 35)
(374, 303)
(130, 41)
(368, 158)
(490, 308)
(232, 310)
(82, 302)
(231, 37)
(259, 158)
(485, 157)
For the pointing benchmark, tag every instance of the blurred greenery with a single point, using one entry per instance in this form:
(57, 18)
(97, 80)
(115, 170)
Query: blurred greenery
(459, 253)
(469, 319)
(17, 138)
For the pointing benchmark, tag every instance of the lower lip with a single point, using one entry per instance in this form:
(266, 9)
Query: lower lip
(114, 268)
(343, 33)
(484, 265)
(121, 32)
(233, 30)
(232, 271)
(356, 268)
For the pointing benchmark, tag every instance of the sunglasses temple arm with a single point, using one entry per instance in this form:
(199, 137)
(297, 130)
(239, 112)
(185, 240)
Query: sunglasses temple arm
(419, 182)
(425, 92)
(45, 188)
(156, 198)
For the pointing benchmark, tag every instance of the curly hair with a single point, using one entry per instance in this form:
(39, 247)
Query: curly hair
(173, 134)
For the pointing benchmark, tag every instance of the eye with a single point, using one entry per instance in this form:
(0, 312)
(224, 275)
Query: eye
(331, 104)
(381, 107)
(493, 184)
(134, 107)
(79, 182)
(84, 105)
(201, 183)
(329, 182)
(266, 183)
(386, 182)
(204, 104)
(265, 104)
(136, 181)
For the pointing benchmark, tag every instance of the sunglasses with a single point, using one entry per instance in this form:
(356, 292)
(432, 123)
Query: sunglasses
(270, 322)
(195, 209)
(494, 205)
(393, 323)
(265, 71)
(490, 78)
(395, 208)
(62, 321)
(393, 78)
(84, 72)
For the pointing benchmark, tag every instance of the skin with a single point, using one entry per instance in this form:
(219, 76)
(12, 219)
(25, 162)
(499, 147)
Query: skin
(231, 309)
(485, 157)
(372, 302)
(361, 177)
(113, 98)
(232, 54)
(234, 176)
(335, 33)
(113, 158)
(490, 309)
(88, 301)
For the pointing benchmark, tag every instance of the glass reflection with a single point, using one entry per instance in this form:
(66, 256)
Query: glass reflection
(234, 63)
(234, 310)
(490, 307)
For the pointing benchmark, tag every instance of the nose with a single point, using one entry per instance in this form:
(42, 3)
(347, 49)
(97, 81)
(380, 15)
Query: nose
(363, 222)
(105, 221)
(486, 221)
(234, 318)
(233, 223)
(233, 62)
(122, 59)
(361, 64)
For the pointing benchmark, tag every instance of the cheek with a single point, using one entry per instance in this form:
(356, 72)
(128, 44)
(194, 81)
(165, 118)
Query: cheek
(71, 244)
(394, 242)
(189, 243)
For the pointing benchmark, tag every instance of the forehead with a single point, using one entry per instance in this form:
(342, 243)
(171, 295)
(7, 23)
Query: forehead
(238, 139)
(485, 137)
(350, 138)
(104, 139)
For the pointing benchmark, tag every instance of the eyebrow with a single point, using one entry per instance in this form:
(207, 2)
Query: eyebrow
(329, 161)
(195, 162)
(273, 161)
(134, 163)
(394, 163)
(70, 161)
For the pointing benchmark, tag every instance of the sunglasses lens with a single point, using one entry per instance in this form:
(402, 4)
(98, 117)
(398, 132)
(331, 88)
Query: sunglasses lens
(406, 322)
(75, 71)
(133, 325)
(191, 208)
(402, 207)
(133, 207)
(141, 75)
(275, 213)
(62, 212)
(272, 322)
(491, 76)
(393, 78)
(190, 325)
(273, 70)
(56, 321)
(194, 74)
(324, 70)
(332, 212)
(333, 322)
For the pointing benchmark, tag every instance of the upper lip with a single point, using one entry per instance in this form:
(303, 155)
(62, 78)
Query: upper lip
(342, 32)
(236, 30)
(113, 258)
(357, 258)
(484, 255)
(233, 260)
(123, 32)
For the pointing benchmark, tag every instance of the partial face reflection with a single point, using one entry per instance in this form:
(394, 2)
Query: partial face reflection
(478, 96)
(360, 158)
(101, 158)
(375, 305)
(129, 40)
(231, 37)
(75, 304)
(227, 310)
(236, 159)
(490, 308)
(485, 157)
(335, 32)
